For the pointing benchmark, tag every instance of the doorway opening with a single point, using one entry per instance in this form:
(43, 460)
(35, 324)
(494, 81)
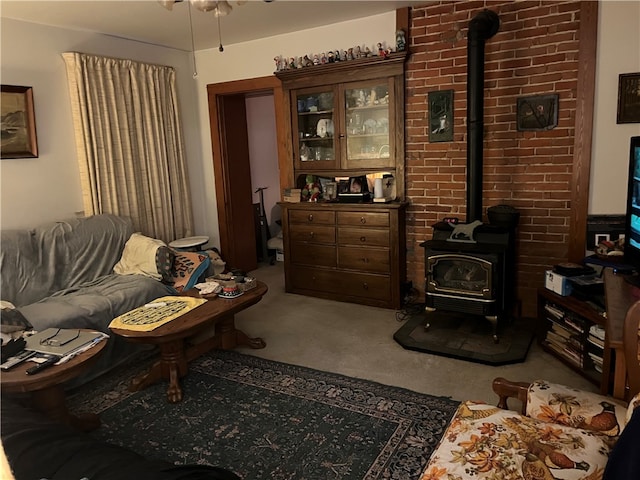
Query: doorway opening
(249, 153)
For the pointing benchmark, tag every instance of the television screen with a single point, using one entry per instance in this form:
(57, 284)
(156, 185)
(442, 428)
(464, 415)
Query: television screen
(632, 230)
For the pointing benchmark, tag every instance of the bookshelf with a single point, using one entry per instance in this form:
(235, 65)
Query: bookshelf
(574, 332)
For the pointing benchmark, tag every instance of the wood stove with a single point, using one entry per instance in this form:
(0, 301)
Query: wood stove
(474, 277)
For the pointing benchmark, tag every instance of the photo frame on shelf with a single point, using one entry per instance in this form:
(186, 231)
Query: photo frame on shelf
(537, 112)
(18, 123)
(440, 116)
(628, 98)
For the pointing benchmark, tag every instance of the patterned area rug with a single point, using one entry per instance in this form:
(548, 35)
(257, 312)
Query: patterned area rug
(270, 420)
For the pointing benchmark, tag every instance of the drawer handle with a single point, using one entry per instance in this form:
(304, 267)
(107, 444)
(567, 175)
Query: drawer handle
(365, 260)
(310, 217)
(363, 220)
(312, 234)
(363, 238)
(365, 286)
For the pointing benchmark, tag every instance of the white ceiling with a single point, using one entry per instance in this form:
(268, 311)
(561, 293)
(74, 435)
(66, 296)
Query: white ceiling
(148, 21)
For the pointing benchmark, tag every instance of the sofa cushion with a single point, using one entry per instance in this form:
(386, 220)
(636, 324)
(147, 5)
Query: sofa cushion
(139, 257)
(550, 402)
(486, 442)
(188, 267)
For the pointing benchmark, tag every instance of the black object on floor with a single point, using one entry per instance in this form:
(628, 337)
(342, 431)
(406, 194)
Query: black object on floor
(466, 337)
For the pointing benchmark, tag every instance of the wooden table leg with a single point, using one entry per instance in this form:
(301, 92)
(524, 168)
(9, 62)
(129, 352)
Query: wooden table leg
(231, 337)
(52, 402)
(171, 366)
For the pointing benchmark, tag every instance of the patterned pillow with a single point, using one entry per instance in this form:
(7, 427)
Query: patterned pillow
(187, 269)
(164, 263)
(14, 321)
(563, 405)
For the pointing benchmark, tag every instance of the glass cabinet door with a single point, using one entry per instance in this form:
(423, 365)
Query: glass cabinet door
(368, 125)
(315, 148)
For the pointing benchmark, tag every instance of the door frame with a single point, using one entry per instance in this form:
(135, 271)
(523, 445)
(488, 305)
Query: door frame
(270, 84)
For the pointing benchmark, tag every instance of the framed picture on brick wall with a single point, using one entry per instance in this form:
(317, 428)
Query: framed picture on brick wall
(629, 98)
(440, 116)
(537, 112)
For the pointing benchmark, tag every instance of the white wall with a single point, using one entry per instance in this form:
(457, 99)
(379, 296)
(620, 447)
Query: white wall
(263, 155)
(618, 52)
(47, 188)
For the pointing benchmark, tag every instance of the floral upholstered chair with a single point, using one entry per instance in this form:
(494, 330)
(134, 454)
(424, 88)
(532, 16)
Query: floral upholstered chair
(561, 433)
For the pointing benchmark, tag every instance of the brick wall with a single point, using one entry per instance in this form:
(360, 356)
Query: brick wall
(535, 52)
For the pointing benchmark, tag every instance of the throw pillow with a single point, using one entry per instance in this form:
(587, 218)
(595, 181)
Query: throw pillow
(13, 321)
(188, 267)
(139, 257)
(164, 263)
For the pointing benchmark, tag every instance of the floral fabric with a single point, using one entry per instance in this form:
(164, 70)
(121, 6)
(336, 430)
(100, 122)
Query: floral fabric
(550, 402)
(633, 404)
(486, 442)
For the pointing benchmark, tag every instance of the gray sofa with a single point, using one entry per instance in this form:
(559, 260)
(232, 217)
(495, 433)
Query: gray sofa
(61, 275)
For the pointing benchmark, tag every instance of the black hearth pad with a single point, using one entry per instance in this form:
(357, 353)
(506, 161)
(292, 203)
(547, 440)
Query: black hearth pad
(466, 337)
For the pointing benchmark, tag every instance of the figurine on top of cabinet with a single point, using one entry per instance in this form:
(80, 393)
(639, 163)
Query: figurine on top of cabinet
(367, 52)
(400, 41)
(299, 63)
(337, 56)
(330, 57)
(316, 60)
(292, 63)
(350, 55)
(357, 52)
(380, 50)
(307, 61)
(343, 56)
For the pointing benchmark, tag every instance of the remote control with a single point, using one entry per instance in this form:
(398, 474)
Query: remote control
(17, 359)
(41, 366)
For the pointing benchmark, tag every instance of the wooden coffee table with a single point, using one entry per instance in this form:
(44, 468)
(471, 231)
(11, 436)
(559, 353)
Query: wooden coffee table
(173, 338)
(45, 387)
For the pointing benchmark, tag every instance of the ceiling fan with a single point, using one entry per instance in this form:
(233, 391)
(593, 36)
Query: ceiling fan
(219, 8)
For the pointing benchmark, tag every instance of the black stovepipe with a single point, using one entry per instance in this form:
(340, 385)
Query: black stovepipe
(482, 27)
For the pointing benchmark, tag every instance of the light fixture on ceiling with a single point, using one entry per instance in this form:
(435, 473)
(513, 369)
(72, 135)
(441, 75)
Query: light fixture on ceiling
(219, 8)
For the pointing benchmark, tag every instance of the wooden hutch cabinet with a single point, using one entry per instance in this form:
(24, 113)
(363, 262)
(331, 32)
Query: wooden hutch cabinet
(346, 119)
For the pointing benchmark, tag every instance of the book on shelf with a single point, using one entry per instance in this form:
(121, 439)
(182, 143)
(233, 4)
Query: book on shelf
(566, 353)
(598, 360)
(595, 341)
(575, 323)
(573, 341)
(553, 310)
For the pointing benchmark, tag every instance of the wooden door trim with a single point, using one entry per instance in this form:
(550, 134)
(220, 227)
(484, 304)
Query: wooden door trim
(269, 84)
(583, 131)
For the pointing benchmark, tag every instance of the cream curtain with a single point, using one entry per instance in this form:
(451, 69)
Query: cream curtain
(130, 144)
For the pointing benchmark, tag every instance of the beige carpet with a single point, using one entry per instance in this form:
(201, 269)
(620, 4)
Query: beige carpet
(357, 340)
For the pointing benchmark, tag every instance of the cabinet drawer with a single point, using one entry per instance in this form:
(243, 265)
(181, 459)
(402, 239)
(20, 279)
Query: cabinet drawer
(363, 236)
(366, 259)
(310, 254)
(312, 233)
(314, 217)
(362, 285)
(377, 219)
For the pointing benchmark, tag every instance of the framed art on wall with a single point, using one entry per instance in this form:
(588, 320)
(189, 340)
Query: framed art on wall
(629, 98)
(440, 116)
(537, 112)
(17, 123)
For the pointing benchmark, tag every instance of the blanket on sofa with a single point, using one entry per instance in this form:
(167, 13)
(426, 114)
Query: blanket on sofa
(61, 275)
